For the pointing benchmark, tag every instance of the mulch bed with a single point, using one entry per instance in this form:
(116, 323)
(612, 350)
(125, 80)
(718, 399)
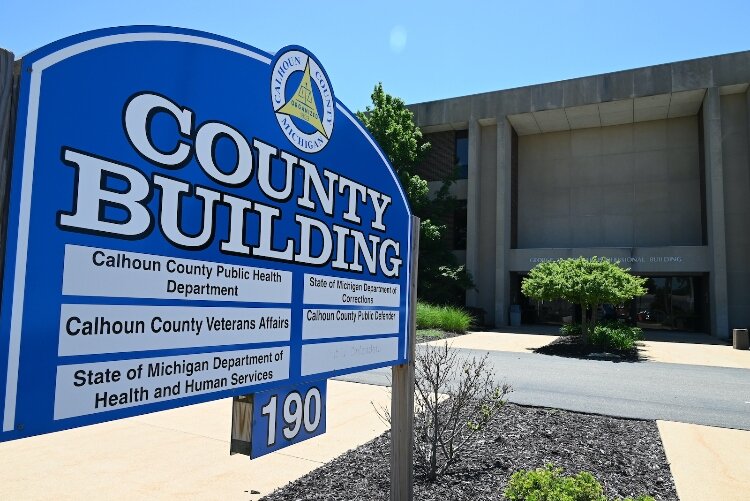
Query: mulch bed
(625, 455)
(443, 335)
(572, 346)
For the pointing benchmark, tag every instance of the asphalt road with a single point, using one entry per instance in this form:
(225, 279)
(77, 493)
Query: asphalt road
(713, 396)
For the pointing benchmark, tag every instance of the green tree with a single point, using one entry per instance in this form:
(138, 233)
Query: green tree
(391, 123)
(586, 282)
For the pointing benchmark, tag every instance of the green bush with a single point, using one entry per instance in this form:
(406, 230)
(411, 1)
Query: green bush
(570, 330)
(446, 318)
(615, 336)
(549, 484)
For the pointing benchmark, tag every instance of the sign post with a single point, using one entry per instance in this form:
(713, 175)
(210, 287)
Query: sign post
(191, 218)
(6, 137)
(402, 397)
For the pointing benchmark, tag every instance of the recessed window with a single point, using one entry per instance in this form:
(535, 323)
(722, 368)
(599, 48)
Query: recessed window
(462, 154)
(459, 226)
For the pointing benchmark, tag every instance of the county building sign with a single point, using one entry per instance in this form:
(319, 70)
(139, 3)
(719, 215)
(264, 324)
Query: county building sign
(190, 219)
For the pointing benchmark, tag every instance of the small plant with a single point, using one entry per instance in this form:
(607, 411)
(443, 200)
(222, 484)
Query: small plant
(455, 399)
(614, 336)
(570, 330)
(446, 318)
(430, 333)
(549, 484)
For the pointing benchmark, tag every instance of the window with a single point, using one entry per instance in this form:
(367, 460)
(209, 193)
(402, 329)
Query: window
(462, 154)
(459, 225)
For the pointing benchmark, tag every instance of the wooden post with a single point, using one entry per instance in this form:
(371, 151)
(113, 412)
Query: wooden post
(7, 100)
(402, 396)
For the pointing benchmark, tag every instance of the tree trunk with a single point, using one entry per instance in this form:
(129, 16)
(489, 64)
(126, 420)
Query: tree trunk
(584, 324)
(594, 310)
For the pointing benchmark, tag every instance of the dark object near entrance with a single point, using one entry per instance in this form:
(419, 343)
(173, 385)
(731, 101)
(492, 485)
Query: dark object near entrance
(740, 339)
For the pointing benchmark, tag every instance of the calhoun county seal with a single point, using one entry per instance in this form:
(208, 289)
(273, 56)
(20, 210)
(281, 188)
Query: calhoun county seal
(302, 99)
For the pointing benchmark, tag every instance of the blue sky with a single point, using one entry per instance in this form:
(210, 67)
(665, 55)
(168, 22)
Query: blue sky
(422, 51)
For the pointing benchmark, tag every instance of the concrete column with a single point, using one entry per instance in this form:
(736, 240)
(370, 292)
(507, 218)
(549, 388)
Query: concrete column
(502, 221)
(715, 213)
(472, 209)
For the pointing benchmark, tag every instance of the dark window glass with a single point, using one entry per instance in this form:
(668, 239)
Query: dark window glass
(459, 226)
(462, 154)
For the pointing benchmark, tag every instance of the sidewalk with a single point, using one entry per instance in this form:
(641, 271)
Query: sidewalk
(682, 348)
(179, 454)
(707, 463)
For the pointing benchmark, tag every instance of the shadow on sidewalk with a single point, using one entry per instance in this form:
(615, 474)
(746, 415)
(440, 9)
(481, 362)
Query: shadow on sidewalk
(663, 336)
(683, 337)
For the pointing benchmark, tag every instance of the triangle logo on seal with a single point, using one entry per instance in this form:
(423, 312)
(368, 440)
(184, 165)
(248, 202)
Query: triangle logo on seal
(302, 103)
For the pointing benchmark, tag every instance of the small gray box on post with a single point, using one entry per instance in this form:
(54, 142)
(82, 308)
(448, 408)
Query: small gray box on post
(740, 339)
(242, 418)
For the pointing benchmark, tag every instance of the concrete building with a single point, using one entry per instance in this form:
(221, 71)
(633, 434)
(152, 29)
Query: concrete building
(649, 166)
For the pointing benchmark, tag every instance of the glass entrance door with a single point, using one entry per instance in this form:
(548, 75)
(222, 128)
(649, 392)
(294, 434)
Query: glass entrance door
(670, 303)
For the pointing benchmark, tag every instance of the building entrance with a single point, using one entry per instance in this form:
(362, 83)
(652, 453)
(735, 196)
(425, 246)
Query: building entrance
(678, 302)
(671, 303)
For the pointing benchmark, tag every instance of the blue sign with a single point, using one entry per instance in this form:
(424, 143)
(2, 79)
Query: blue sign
(191, 218)
(285, 416)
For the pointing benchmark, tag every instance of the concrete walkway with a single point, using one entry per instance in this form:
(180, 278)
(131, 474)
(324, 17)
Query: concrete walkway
(690, 349)
(179, 454)
(706, 462)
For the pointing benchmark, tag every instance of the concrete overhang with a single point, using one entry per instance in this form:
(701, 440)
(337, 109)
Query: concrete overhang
(641, 94)
(624, 111)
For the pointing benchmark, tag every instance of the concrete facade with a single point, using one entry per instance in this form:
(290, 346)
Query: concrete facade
(650, 166)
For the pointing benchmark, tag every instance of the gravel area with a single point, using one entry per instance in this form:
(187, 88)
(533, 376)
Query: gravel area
(571, 346)
(625, 455)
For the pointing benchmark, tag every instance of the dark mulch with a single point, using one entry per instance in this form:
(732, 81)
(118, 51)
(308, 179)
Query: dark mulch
(426, 335)
(572, 346)
(625, 455)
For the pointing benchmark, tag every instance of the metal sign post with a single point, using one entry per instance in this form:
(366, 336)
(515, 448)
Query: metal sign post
(402, 396)
(6, 139)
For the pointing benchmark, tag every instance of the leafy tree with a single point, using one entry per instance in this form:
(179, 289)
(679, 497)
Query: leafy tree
(391, 123)
(586, 282)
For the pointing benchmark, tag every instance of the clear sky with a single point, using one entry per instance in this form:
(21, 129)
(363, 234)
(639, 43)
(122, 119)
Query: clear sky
(422, 51)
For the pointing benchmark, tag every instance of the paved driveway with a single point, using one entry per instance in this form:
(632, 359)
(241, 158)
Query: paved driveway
(713, 396)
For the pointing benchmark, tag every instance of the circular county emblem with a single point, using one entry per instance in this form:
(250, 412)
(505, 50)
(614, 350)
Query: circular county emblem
(302, 99)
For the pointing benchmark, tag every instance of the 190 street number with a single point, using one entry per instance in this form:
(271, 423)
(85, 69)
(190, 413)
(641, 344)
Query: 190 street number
(296, 413)
(287, 415)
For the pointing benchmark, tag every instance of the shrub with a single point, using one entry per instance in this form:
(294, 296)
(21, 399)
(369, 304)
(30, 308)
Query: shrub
(615, 336)
(446, 318)
(549, 484)
(570, 330)
(445, 426)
